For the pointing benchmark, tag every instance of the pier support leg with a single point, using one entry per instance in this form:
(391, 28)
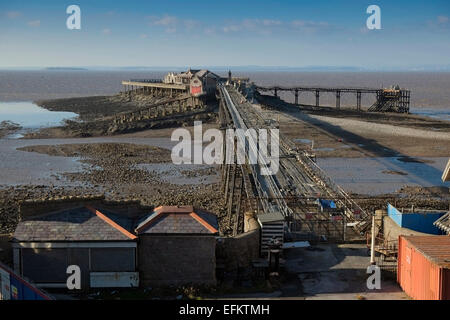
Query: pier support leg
(276, 92)
(296, 97)
(317, 98)
(338, 100)
(358, 101)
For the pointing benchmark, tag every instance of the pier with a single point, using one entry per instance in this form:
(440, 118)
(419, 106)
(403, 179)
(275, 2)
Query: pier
(286, 202)
(387, 100)
(154, 87)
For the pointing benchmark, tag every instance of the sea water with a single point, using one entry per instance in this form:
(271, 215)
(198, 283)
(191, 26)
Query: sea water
(30, 116)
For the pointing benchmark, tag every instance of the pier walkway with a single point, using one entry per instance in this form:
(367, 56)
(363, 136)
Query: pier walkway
(387, 100)
(288, 199)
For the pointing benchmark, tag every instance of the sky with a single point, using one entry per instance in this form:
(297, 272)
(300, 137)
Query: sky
(223, 33)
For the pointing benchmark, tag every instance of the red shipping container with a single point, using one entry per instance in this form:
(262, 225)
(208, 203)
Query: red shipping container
(424, 267)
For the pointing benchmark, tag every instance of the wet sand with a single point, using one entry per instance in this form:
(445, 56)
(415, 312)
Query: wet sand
(21, 167)
(375, 176)
(364, 135)
(371, 154)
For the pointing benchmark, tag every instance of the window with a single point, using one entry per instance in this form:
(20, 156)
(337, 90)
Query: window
(45, 265)
(113, 259)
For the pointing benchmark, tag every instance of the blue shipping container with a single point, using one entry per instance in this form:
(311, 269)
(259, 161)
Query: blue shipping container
(417, 221)
(14, 287)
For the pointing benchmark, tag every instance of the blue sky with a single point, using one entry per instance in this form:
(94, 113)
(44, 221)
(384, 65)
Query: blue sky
(221, 33)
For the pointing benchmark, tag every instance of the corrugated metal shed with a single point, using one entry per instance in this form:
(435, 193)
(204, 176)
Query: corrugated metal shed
(424, 267)
(270, 217)
(272, 227)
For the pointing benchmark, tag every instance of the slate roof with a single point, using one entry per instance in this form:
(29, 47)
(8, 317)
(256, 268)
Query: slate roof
(178, 220)
(77, 224)
(205, 72)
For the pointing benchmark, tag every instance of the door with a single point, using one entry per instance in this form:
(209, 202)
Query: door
(408, 276)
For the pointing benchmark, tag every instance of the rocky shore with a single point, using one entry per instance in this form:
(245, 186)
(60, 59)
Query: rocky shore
(96, 116)
(8, 127)
(98, 107)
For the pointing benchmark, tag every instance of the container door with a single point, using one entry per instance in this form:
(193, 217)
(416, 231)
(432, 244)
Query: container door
(407, 269)
(445, 284)
(5, 291)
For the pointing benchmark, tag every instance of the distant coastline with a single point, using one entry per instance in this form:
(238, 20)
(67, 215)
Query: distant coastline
(65, 69)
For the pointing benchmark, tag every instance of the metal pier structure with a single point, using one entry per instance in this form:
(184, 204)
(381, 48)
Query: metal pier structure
(274, 213)
(154, 87)
(287, 201)
(387, 100)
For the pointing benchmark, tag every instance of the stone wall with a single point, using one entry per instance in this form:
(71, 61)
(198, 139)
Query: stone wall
(392, 230)
(239, 251)
(176, 260)
(133, 124)
(161, 109)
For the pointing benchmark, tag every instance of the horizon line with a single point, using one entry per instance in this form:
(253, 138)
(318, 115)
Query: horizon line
(235, 67)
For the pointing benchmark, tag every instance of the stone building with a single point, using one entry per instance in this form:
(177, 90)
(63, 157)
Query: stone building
(177, 246)
(100, 242)
(201, 82)
(115, 244)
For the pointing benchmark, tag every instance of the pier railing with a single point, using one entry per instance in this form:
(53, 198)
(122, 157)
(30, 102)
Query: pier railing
(147, 80)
